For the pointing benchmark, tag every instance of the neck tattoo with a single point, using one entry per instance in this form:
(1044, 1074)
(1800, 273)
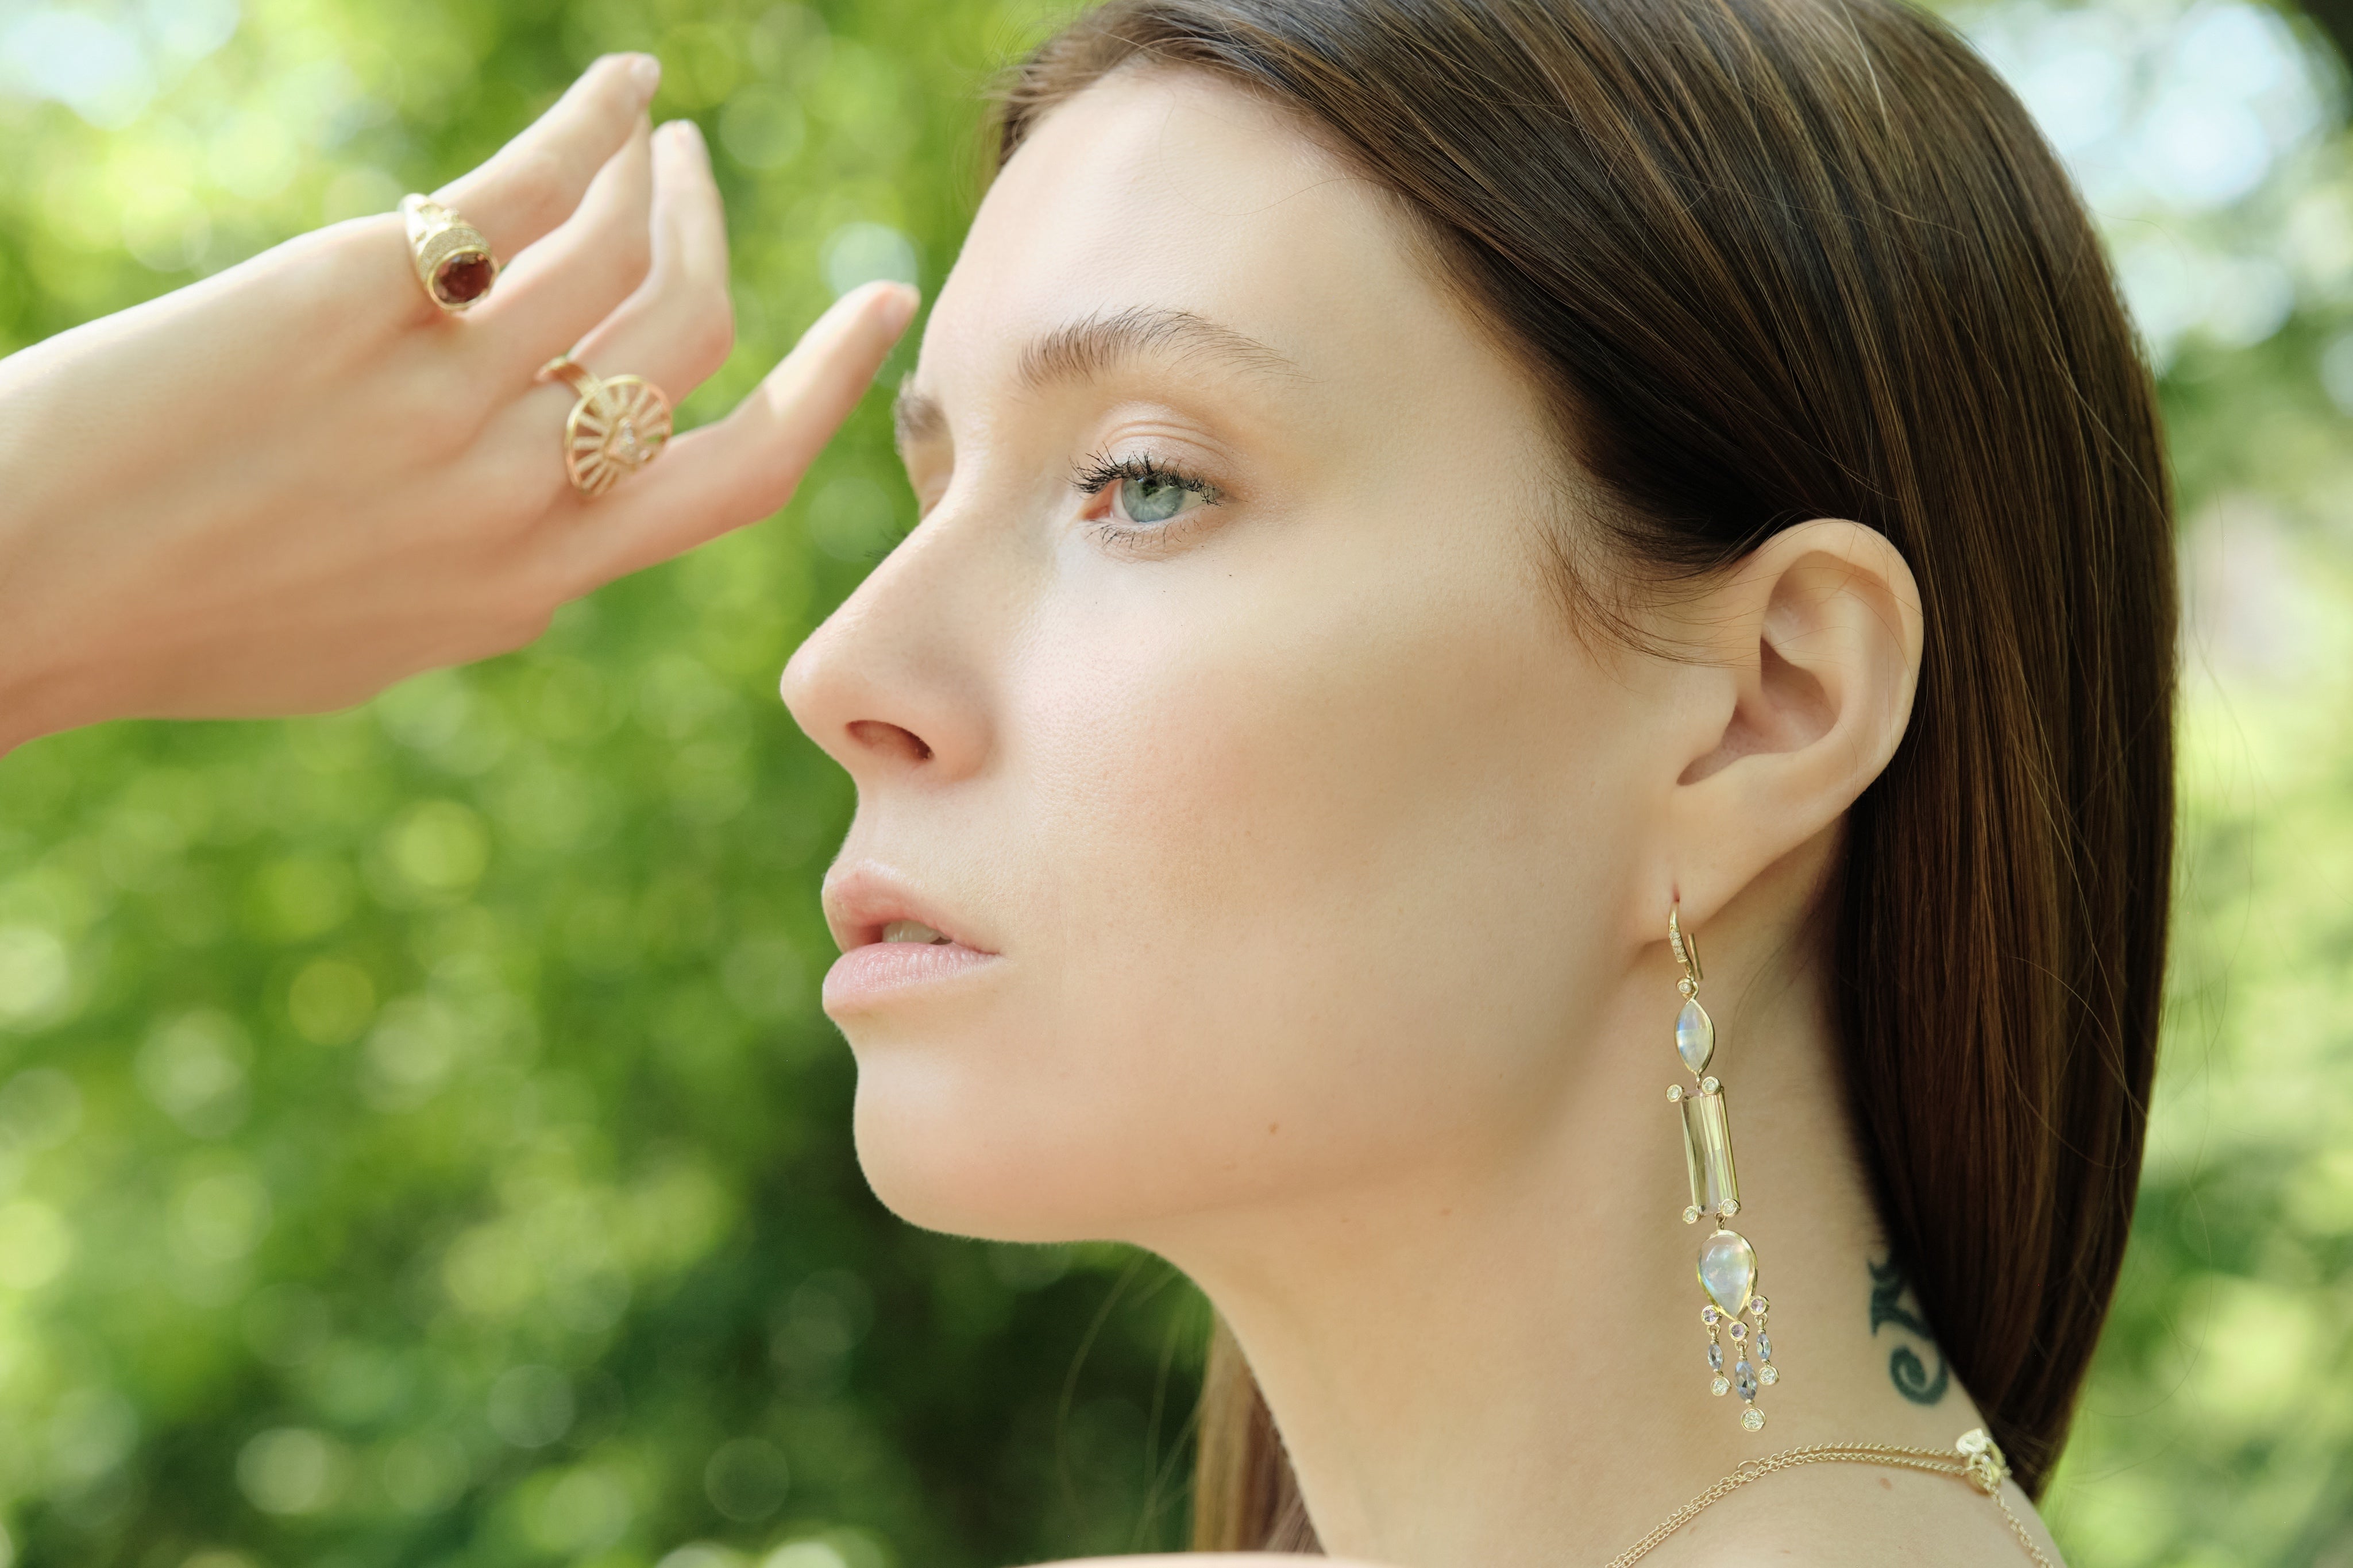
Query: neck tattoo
(1891, 1290)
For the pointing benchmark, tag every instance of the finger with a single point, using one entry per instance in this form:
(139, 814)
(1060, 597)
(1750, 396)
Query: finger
(744, 467)
(534, 181)
(574, 278)
(677, 330)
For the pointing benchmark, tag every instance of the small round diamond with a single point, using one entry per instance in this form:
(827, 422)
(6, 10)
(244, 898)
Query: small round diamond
(1722, 1385)
(1769, 1373)
(1756, 1305)
(1752, 1418)
(1708, 1084)
(1739, 1330)
(1674, 1093)
(1684, 985)
(1708, 1315)
(1691, 1215)
(1727, 1208)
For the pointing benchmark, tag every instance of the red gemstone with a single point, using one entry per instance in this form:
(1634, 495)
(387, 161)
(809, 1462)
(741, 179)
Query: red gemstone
(463, 279)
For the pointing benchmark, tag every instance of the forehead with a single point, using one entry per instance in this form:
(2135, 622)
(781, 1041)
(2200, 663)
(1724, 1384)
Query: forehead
(1171, 191)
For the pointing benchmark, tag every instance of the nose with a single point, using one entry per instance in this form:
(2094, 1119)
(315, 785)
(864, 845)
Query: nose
(893, 684)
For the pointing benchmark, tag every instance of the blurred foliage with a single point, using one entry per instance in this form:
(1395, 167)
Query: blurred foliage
(418, 1142)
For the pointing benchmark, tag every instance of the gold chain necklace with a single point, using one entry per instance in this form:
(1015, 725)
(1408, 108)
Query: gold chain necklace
(1974, 1459)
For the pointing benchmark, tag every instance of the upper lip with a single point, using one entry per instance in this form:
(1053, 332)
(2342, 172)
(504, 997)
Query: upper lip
(860, 900)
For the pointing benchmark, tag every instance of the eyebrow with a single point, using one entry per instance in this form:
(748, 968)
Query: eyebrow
(1093, 346)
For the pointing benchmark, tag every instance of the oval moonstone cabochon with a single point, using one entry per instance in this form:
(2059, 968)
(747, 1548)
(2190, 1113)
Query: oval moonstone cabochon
(1694, 1035)
(1728, 1270)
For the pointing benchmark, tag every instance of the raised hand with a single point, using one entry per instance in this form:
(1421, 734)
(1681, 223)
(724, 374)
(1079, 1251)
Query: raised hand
(284, 488)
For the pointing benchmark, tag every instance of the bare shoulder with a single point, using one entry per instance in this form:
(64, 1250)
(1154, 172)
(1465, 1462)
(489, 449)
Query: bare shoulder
(1859, 1517)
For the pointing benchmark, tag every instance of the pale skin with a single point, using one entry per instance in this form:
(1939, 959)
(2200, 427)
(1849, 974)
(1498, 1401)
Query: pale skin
(1312, 868)
(287, 487)
(1304, 871)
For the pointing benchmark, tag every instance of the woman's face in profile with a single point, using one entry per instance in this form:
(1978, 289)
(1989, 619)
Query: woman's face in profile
(1222, 709)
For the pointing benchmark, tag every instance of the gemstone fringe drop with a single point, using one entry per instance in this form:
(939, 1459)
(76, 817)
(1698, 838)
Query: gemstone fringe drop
(1726, 1266)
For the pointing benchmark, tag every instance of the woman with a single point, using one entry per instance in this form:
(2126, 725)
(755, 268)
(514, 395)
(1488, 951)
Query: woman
(1427, 507)
(1417, 496)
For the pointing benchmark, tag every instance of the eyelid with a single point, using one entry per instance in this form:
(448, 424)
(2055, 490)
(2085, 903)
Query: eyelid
(1100, 471)
(1100, 475)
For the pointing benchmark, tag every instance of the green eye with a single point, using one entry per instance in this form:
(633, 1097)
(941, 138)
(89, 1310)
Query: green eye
(1154, 499)
(1144, 495)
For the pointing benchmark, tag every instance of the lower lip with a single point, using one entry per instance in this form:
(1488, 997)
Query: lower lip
(881, 969)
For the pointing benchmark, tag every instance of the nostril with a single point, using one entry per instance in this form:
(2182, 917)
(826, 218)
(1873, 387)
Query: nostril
(890, 740)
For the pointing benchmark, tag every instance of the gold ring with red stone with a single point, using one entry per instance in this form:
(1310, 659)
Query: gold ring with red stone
(453, 261)
(620, 424)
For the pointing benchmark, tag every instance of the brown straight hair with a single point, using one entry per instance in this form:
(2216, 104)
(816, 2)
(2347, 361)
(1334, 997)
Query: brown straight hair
(1780, 259)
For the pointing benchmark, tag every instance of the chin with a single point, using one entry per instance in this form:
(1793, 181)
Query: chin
(938, 1159)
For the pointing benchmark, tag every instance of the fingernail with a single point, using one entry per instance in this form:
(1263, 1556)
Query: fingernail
(899, 309)
(689, 134)
(646, 73)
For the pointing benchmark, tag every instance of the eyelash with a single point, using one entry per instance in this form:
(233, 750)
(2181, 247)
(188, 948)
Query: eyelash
(1102, 471)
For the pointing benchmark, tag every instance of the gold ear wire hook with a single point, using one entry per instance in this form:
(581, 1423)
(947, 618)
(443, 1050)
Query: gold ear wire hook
(1685, 945)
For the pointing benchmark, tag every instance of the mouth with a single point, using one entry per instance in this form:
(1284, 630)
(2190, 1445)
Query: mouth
(867, 903)
(916, 930)
(891, 937)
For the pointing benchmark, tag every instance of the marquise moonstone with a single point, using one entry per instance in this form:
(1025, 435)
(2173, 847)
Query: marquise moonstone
(1694, 1035)
(1727, 1269)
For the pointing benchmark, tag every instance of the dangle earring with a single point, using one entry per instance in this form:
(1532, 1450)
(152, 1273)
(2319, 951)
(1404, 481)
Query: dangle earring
(1727, 1263)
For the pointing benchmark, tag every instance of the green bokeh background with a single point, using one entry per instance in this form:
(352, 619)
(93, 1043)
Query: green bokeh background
(419, 1141)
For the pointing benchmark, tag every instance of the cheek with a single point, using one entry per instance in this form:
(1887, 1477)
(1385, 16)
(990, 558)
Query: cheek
(1304, 871)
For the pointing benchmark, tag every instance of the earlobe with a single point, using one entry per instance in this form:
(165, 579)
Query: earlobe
(1812, 646)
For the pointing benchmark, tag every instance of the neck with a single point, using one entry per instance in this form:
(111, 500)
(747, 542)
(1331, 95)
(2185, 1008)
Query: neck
(1500, 1360)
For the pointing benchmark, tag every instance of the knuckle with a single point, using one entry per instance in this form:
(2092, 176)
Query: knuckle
(353, 274)
(709, 336)
(445, 413)
(428, 423)
(520, 491)
(630, 251)
(538, 188)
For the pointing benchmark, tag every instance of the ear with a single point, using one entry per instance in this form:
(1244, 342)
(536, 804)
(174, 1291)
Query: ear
(1801, 696)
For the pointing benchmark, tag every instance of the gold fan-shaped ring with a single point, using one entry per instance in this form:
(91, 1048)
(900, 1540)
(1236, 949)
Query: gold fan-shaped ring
(620, 424)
